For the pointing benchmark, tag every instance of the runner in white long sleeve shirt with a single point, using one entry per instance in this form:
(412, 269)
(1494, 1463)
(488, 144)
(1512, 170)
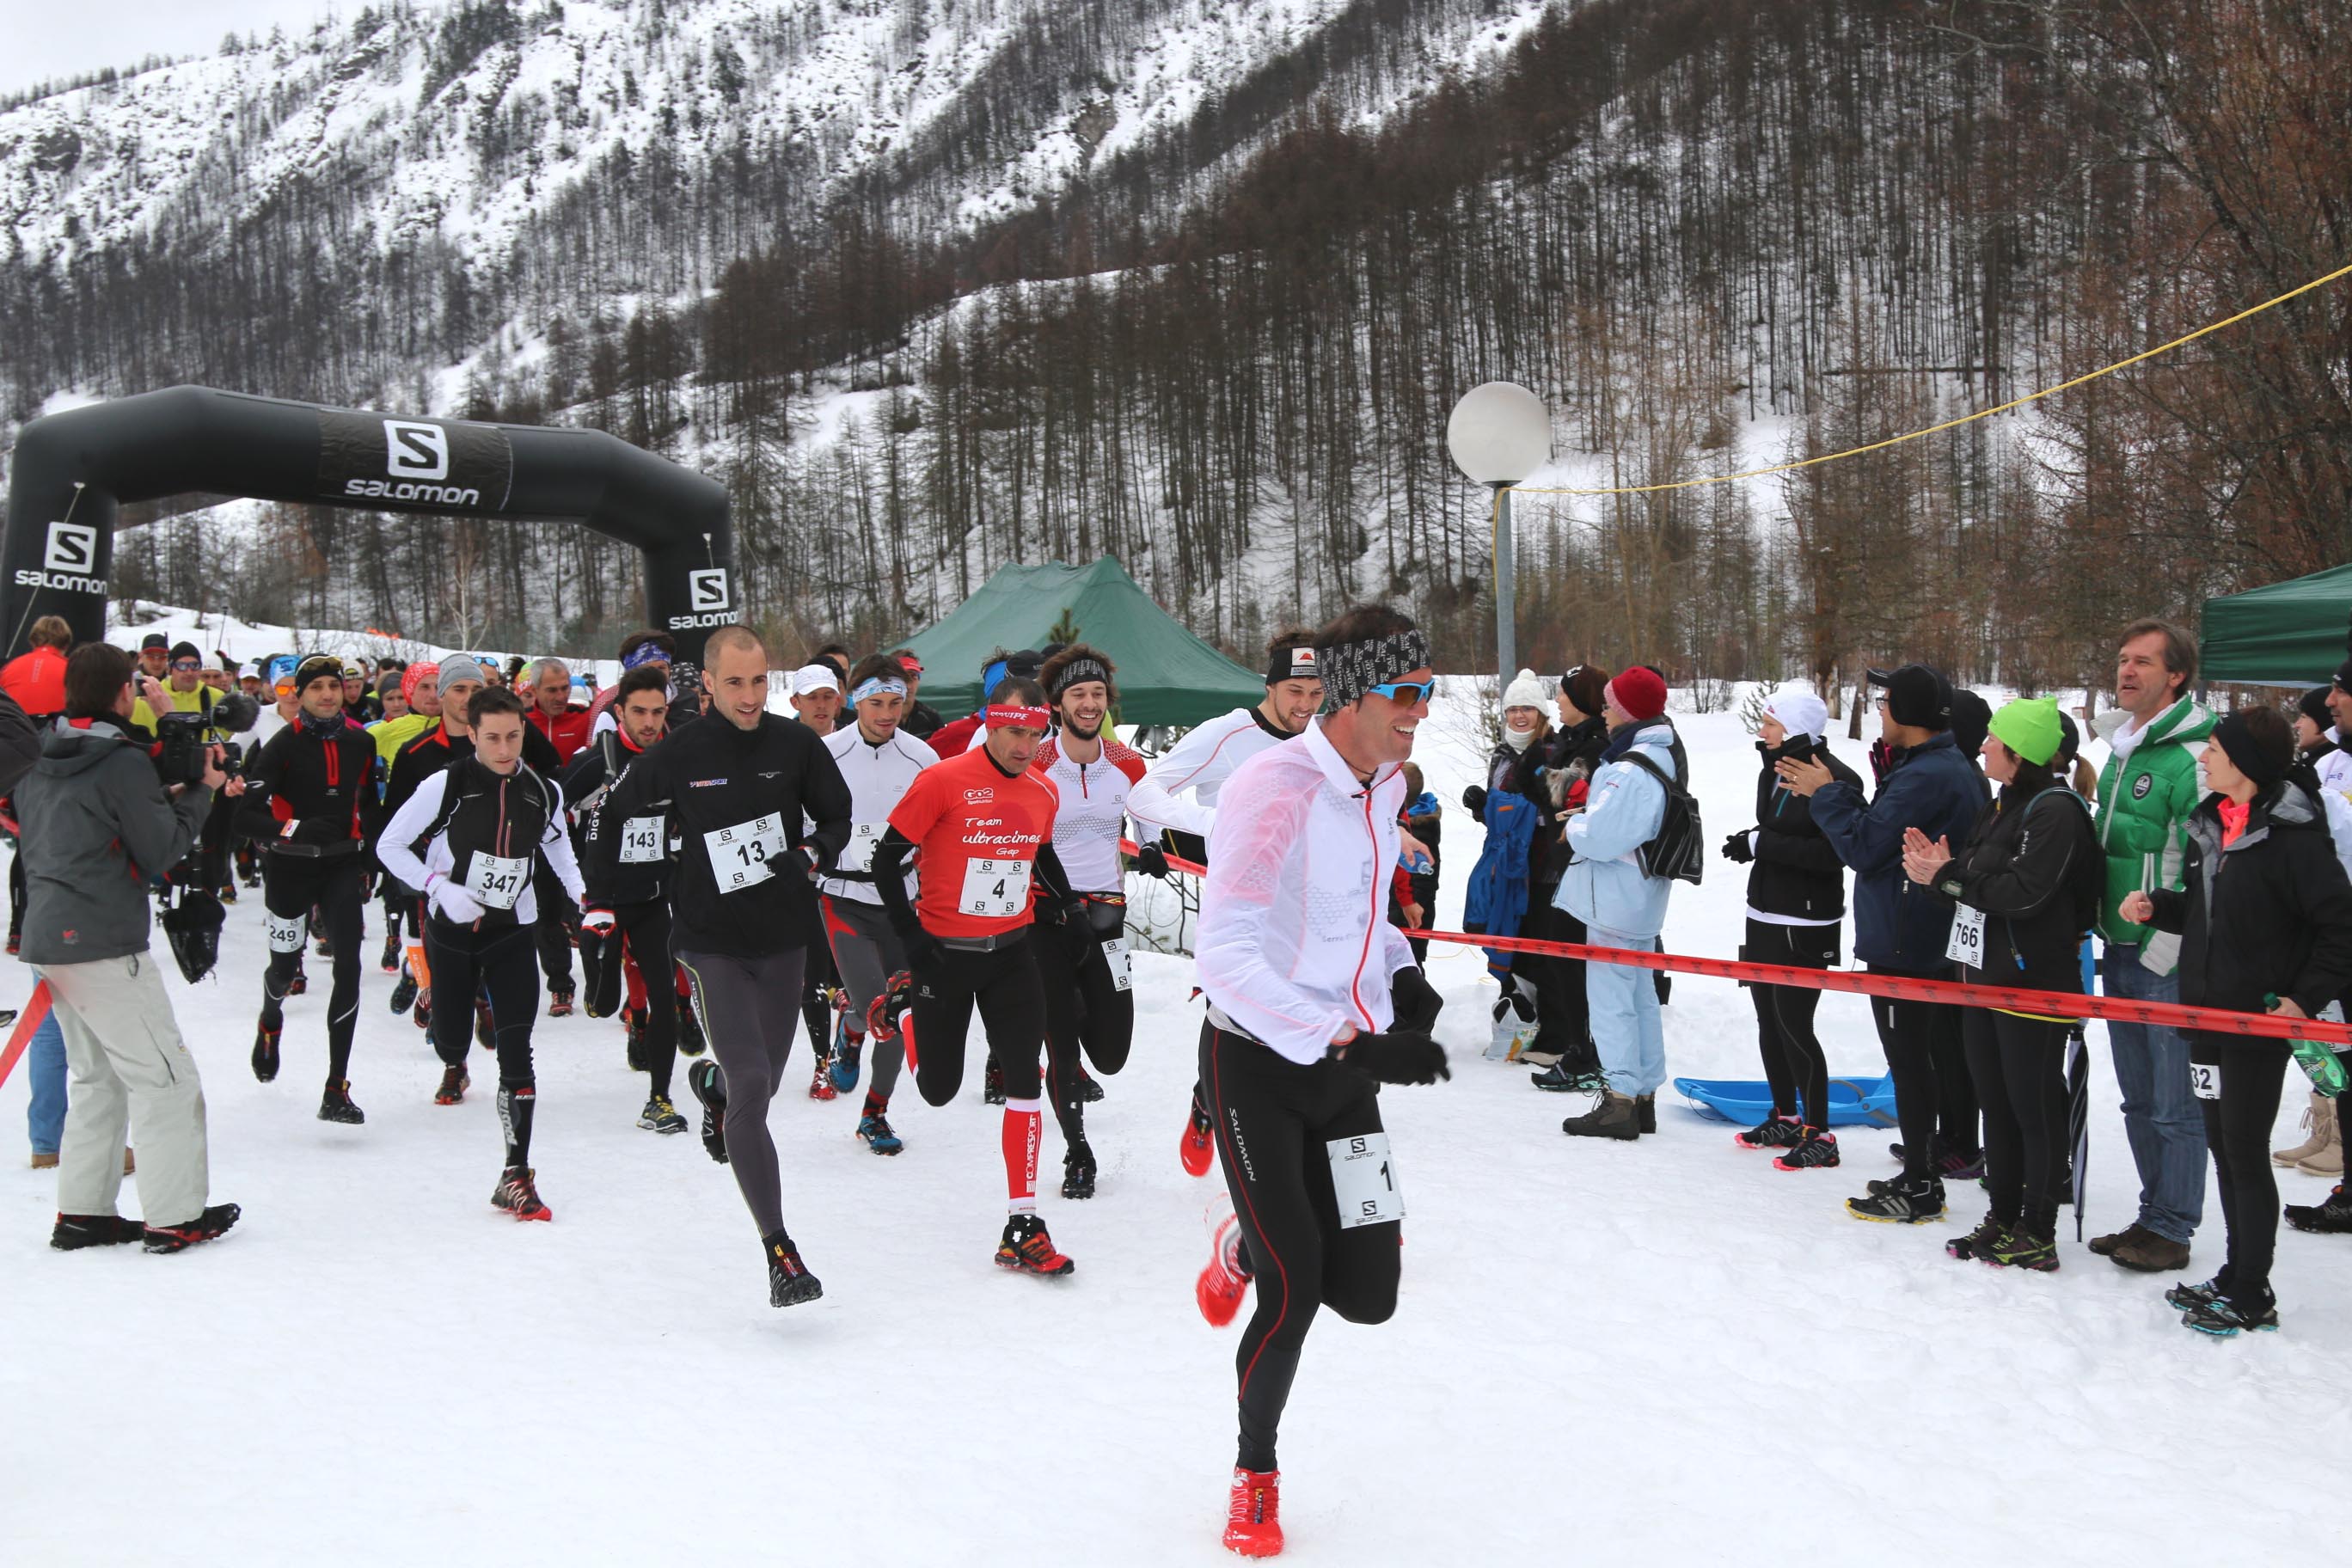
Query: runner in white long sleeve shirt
(1312, 997)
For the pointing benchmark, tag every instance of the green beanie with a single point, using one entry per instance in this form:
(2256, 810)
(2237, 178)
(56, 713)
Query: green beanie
(2029, 726)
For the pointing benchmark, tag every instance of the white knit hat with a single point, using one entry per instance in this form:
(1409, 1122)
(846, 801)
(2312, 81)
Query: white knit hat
(1527, 690)
(1798, 711)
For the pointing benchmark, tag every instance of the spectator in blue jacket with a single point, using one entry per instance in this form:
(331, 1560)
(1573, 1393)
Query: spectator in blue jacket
(1899, 928)
(1621, 904)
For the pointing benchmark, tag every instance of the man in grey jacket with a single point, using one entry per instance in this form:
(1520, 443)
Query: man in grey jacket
(96, 825)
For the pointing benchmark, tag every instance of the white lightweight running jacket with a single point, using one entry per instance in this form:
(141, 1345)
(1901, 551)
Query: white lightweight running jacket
(1199, 765)
(1295, 941)
(878, 777)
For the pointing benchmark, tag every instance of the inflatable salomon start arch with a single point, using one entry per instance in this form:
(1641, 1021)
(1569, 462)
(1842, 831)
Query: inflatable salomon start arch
(71, 472)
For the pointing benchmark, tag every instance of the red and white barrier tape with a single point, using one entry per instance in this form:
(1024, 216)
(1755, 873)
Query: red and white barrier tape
(2013, 999)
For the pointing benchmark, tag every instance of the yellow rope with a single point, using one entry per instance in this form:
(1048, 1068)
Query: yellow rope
(1949, 424)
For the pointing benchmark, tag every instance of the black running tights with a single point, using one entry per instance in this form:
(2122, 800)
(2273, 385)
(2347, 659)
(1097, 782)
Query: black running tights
(2238, 1130)
(292, 886)
(1922, 1041)
(640, 932)
(1275, 1121)
(1085, 1010)
(1794, 1063)
(2018, 1068)
(498, 963)
(1003, 984)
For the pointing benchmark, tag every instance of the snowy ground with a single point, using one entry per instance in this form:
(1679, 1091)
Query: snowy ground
(1662, 1352)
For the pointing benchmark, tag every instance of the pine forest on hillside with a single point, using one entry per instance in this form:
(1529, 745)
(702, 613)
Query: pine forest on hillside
(1215, 332)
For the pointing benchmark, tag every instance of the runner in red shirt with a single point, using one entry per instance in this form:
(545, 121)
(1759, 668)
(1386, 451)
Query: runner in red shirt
(981, 828)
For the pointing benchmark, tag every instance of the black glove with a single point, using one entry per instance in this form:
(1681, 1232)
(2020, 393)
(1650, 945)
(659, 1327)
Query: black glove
(1735, 849)
(1152, 862)
(1473, 800)
(923, 948)
(1401, 1055)
(1413, 1000)
(1052, 910)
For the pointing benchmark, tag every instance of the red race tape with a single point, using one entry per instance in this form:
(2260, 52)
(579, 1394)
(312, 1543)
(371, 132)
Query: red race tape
(37, 1007)
(2013, 999)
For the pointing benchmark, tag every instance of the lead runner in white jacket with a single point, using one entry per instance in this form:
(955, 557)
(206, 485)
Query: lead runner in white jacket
(1312, 997)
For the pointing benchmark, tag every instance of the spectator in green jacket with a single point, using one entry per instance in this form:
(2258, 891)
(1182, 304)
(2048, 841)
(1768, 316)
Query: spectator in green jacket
(2148, 792)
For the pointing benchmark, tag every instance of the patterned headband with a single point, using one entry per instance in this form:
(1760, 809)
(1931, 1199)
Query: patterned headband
(1079, 669)
(876, 686)
(1351, 669)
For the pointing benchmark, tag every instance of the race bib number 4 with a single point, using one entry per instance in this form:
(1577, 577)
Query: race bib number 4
(495, 880)
(1967, 945)
(641, 841)
(996, 890)
(1115, 954)
(745, 855)
(1364, 1180)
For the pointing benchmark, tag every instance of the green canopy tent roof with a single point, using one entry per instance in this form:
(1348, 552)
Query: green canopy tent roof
(1166, 675)
(2288, 634)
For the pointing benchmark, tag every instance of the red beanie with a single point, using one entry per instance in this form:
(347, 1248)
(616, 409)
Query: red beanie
(1638, 692)
(415, 675)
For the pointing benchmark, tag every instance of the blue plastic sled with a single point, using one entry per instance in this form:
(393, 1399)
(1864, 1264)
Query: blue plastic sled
(1853, 1101)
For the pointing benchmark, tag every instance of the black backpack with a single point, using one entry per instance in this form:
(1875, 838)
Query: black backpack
(1679, 849)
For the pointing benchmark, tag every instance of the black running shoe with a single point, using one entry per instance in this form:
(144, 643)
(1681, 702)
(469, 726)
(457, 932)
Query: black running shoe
(265, 1053)
(1561, 1077)
(403, 994)
(1089, 1091)
(1901, 1203)
(2332, 1217)
(485, 1032)
(2187, 1298)
(1772, 1132)
(789, 1281)
(1817, 1152)
(336, 1106)
(660, 1116)
(632, 1038)
(1078, 1171)
(690, 1039)
(709, 1087)
(518, 1193)
(206, 1227)
(390, 960)
(299, 986)
(992, 1085)
(2224, 1319)
(1980, 1242)
(454, 1084)
(75, 1231)
(559, 1003)
(422, 1014)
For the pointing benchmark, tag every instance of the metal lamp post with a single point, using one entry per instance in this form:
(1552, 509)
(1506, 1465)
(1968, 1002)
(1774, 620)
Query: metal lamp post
(1499, 433)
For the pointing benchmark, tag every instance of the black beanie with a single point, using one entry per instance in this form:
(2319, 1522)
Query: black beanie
(2313, 705)
(1917, 696)
(2264, 764)
(2343, 676)
(1584, 684)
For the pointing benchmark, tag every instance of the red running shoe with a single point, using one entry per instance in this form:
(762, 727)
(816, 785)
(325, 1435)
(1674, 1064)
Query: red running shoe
(821, 1086)
(1252, 1528)
(519, 1194)
(1027, 1249)
(1226, 1276)
(1198, 1150)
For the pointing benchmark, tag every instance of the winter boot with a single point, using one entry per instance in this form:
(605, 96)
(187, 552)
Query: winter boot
(1814, 1152)
(454, 1084)
(1025, 1248)
(1226, 1275)
(789, 1281)
(1253, 1514)
(660, 1116)
(209, 1226)
(703, 1079)
(2328, 1161)
(1611, 1116)
(2319, 1121)
(75, 1231)
(518, 1193)
(336, 1105)
(2148, 1253)
(1772, 1132)
(1198, 1150)
(2331, 1216)
(1078, 1171)
(1902, 1202)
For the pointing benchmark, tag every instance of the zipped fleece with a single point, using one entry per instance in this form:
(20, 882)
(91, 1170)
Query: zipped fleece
(2145, 803)
(96, 825)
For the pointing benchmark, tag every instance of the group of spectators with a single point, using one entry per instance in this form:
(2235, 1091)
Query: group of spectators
(1985, 850)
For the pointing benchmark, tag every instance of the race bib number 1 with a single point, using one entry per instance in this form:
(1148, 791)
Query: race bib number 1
(1364, 1180)
(2205, 1082)
(641, 841)
(1967, 945)
(744, 856)
(996, 890)
(495, 880)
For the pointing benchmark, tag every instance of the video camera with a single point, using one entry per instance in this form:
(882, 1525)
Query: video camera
(186, 737)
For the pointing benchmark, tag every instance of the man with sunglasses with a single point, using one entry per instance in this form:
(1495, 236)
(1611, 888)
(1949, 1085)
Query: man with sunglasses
(1898, 928)
(1314, 1001)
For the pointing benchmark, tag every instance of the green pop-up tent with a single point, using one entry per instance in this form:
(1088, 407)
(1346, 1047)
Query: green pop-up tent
(2288, 634)
(1166, 675)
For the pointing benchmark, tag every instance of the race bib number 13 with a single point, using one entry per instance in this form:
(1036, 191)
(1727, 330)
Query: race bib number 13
(744, 856)
(1364, 1180)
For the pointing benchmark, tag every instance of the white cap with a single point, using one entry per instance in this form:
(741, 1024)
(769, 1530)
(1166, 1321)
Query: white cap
(1798, 711)
(1527, 690)
(810, 677)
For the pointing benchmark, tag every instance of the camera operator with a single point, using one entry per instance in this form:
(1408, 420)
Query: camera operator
(97, 823)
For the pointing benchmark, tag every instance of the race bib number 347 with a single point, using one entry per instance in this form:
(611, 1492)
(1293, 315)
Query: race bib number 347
(495, 880)
(744, 856)
(1364, 1180)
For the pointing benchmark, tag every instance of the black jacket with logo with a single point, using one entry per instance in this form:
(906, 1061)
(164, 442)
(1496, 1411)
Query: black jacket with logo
(1795, 872)
(587, 787)
(712, 776)
(311, 794)
(2035, 868)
